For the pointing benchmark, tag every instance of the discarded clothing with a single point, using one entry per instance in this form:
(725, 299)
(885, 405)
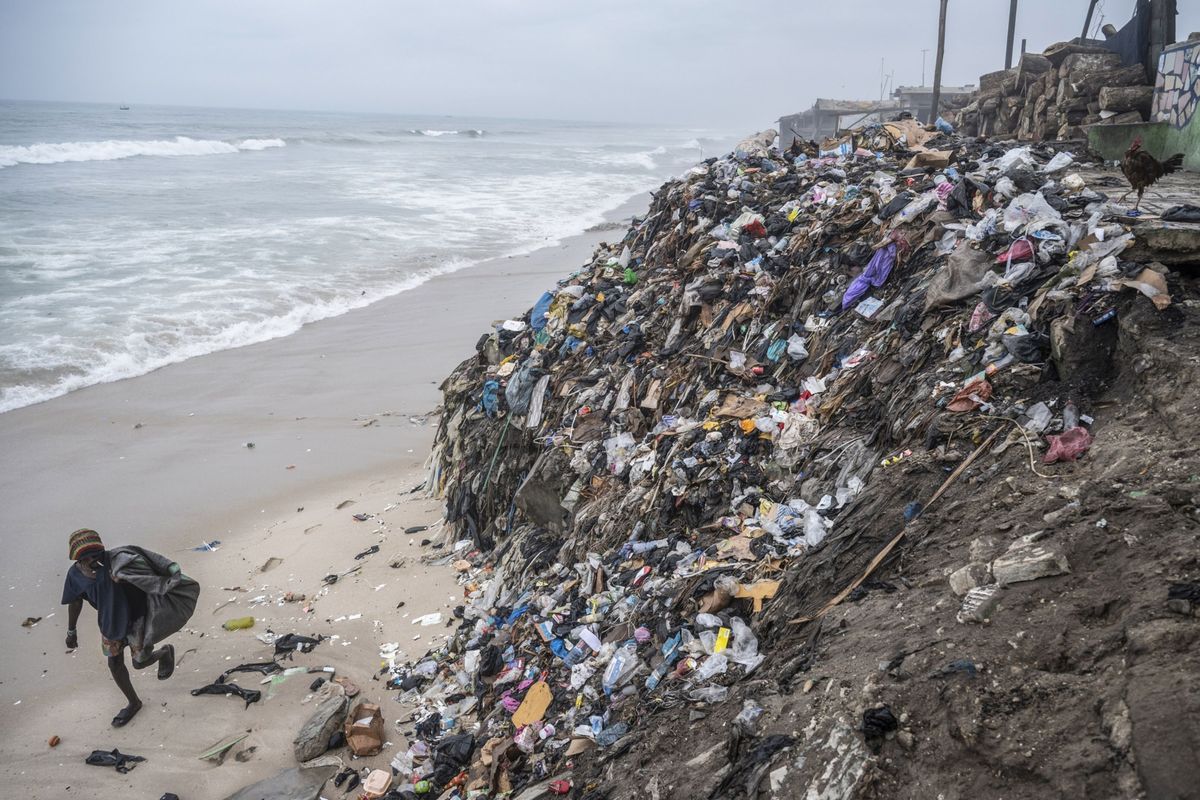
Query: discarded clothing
(261, 667)
(249, 695)
(294, 643)
(875, 275)
(122, 762)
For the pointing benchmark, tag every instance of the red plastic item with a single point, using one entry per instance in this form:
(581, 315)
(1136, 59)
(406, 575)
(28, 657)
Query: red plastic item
(1068, 445)
(560, 787)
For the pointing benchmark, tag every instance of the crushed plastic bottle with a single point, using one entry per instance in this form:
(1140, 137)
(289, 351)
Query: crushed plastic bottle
(747, 718)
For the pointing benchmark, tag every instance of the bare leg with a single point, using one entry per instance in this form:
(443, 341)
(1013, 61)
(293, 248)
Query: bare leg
(120, 673)
(121, 677)
(163, 656)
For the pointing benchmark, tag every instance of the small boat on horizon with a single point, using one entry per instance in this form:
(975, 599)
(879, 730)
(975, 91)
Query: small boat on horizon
(124, 108)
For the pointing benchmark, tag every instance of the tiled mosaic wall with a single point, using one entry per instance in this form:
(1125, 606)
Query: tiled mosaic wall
(1177, 86)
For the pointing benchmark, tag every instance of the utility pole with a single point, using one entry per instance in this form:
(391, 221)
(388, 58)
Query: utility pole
(923, 52)
(1012, 27)
(1087, 22)
(937, 64)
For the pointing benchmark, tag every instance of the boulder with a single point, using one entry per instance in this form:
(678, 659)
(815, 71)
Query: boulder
(295, 783)
(1127, 98)
(1032, 65)
(1028, 562)
(994, 80)
(1090, 84)
(967, 578)
(1077, 63)
(313, 738)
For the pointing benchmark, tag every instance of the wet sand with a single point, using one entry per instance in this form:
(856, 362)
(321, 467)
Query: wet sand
(338, 411)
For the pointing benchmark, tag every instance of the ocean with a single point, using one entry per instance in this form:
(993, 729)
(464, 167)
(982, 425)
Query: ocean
(133, 239)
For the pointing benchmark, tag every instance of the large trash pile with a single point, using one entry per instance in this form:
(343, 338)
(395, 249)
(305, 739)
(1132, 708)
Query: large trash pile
(638, 470)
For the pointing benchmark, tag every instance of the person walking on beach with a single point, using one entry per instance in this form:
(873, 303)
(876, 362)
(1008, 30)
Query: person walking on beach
(140, 598)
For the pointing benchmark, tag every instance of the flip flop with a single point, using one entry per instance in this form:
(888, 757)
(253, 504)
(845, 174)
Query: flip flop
(124, 715)
(166, 667)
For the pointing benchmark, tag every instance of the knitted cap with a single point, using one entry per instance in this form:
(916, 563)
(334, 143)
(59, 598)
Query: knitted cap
(83, 542)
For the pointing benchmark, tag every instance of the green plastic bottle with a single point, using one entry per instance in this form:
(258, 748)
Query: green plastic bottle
(240, 623)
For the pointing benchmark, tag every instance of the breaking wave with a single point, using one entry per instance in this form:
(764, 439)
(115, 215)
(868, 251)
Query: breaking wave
(113, 149)
(434, 132)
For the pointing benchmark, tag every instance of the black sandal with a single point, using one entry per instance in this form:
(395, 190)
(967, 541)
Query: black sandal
(124, 715)
(166, 665)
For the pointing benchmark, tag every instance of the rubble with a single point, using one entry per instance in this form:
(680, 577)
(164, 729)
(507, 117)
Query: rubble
(1053, 95)
(665, 478)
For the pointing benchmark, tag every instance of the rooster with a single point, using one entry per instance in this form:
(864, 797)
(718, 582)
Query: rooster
(1143, 169)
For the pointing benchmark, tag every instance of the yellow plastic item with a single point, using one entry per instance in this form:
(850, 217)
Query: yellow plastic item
(238, 624)
(722, 640)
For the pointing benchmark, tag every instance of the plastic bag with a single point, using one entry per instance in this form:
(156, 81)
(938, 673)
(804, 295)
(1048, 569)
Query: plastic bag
(797, 349)
(710, 694)
(714, 665)
(747, 718)
(744, 649)
(1017, 158)
(1068, 446)
(1060, 162)
(1028, 209)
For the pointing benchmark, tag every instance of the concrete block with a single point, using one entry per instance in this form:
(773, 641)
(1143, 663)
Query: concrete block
(1028, 563)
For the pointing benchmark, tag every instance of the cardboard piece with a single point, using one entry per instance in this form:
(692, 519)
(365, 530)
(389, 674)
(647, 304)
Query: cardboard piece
(758, 591)
(364, 729)
(533, 707)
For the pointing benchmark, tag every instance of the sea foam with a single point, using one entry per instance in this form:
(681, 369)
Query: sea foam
(113, 149)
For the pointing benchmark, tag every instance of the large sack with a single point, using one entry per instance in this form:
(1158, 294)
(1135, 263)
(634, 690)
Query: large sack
(170, 595)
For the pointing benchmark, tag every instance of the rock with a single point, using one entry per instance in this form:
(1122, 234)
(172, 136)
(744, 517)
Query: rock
(1167, 242)
(985, 548)
(1031, 66)
(979, 604)
(1181, 606)
(1127, 98)
(1083, 63)
(1124, 118)
(1028, 563)
(1165, 719)
(1060, 515)
(313, 738)
(972, 575)
(993, 80)
(295, 783)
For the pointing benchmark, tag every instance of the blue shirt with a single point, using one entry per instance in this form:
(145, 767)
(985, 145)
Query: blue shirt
(116, 604)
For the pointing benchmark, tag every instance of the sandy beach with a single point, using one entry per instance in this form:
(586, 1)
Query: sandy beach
(340, 411)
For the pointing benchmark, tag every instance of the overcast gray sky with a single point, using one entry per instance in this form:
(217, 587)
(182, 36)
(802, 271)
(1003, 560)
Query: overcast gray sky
(709, 62)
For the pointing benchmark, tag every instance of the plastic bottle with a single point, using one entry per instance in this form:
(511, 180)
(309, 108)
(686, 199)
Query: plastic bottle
(623, 662)
(1070, 416)
(238, 624)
